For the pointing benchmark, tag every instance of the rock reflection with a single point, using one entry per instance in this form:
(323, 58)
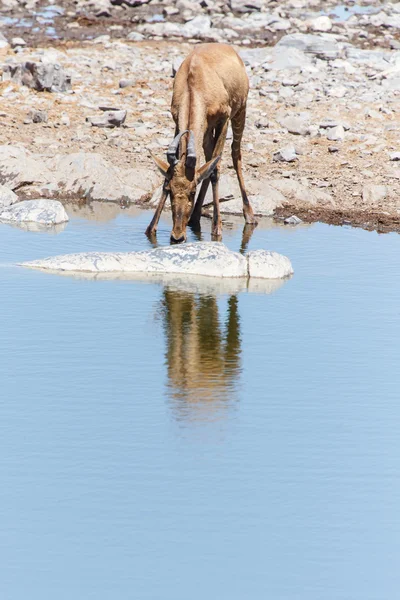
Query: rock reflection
(203, 354)
(32, 227)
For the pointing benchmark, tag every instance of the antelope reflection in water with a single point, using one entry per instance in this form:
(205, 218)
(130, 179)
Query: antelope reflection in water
(203, 355)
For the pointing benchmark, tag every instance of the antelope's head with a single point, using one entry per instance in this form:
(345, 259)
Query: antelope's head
(181, 180)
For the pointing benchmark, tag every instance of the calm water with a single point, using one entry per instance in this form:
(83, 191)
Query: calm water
(164, 444)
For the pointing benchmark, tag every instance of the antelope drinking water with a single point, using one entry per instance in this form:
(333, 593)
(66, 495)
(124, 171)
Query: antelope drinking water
(210, 88)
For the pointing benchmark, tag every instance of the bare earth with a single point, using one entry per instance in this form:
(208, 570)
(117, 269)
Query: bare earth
(353, 179)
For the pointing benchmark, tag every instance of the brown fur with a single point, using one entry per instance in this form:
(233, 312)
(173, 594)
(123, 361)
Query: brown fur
(210, 88)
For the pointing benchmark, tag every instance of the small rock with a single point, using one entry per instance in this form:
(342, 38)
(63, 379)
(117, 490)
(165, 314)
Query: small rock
(374, 194)
(322, 24)
(124, 83)
(298, 125)
(268, 265)
(17, 41)
(49, 77)
(7, 197)
(293, 220)
(135, 36)
(287, 154)
(43, 212)
(333, 149)
(262, 123)
(111, 118)
(336, 134)
(65, 120)
(39, 116)
(394, 155)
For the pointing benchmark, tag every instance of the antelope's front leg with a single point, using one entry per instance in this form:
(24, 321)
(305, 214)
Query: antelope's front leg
(214, 178)
(152, 228)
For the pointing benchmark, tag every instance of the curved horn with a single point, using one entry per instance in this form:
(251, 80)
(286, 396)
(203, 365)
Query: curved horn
(191, 152)
(173, 149)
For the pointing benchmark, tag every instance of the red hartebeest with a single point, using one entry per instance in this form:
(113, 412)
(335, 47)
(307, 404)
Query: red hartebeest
(210, 88)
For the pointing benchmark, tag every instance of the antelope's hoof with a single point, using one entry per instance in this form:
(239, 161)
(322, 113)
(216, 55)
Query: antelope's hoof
(216, 232)
(151, 231)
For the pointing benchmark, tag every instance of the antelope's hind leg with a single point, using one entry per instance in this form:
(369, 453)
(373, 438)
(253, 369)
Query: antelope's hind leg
(152, 228)
(238, 122)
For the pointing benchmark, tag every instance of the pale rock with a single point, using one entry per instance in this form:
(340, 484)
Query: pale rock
(324, 47)
(7, 197)
(207, 259)
(109, 118)
(212, 259)
(135, 36)
(268, 265)
(42, 212)
(200, 26)
(296, 192)
(18, 166)
(263, 205)
(243, 6)
(336, 134)
(394, 156)
(90, 176)
(322, 24)
(41, 76)
(374, 194)
(296, 124)
(287, 154)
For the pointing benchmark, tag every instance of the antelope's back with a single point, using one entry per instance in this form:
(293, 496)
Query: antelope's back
(216, 72)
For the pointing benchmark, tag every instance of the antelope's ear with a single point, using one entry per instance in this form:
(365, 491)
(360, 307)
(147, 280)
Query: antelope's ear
(162, 166)
(206, 170)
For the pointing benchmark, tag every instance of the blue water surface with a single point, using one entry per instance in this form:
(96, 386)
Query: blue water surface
(167, 444)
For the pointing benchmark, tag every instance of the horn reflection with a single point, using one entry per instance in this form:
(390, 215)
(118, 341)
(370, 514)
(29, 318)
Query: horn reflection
(203, 354)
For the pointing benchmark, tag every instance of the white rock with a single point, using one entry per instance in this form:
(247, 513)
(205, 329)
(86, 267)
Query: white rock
(322, 23)
(210, 259)
(43, 212)
(7, 197)
(287, 154)
(263, 205)
(206, 258)
(17, 166)
(268, 265)
(336, 134)
(374, 194)
(323, 46)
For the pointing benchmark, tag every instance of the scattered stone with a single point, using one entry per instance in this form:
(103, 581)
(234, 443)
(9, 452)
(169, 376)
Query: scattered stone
(293, 220)
(39, 116)
(111, 118)
(374, 194)
(324, 47)
(49, 77)
(135, 36)
(17, 41)
(322, 24)
(394, 156)
(43, 212)
(7, 197)
(287, 154)
(298, 125)
(263, 205)
(268, 265)
(336, 134)
(333, 149)
(124, 83)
